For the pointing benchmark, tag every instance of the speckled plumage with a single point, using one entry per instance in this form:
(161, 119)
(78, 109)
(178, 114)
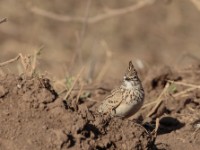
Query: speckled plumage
(127, 99)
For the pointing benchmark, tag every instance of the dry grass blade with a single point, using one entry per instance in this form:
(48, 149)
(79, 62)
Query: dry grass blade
(79, 93)
(76, 79)
(148, 104)
(155, 131)
(158, 101)
(37, 52)
(10, 61)
(183, 93)
(157, 125)
(184, 84)
(28, 64)
(61, 92)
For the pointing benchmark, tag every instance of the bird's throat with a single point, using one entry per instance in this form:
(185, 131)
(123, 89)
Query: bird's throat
(128, 85)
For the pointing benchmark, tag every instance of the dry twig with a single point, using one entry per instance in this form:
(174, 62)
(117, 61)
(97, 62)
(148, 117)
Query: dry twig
(155, 131)
(182, 93)
(76, 79)
(79, 93)
(28, 64)
(10, 61)
(184, 84)
(148, 104)
(158, 101)
(110, 13)
(33, 65)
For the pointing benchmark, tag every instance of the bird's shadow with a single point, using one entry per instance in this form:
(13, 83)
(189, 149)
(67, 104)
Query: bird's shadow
(166, 125)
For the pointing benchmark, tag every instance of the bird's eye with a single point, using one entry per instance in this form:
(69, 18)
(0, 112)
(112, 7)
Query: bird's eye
(127, 78)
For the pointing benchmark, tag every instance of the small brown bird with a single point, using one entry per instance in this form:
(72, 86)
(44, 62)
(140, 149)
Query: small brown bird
(127, 99)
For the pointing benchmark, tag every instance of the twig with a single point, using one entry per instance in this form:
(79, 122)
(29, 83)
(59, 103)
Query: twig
(10, 61)
(159, 101)
(184, 92)
(185, 84)
(79, 93)
(26, 63)
(174, 95)
(192, 87)
(155, 131)
(108, 14)
(37, 52)
(148, 104)
(76, 79)
(157, 125)
(3, 20)
(61, 92)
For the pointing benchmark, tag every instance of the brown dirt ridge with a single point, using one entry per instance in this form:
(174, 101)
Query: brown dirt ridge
(33, 117)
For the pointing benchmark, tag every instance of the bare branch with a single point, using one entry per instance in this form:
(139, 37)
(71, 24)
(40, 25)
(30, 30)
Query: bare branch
(108, 14)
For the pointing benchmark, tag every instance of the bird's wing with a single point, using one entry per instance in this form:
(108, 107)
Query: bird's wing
(112, 101)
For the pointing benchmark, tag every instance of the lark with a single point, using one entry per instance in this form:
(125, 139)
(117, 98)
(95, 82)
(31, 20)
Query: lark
(127, 99)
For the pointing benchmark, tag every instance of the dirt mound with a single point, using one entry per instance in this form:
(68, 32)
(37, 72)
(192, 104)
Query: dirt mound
(33, 117)
(179, 105)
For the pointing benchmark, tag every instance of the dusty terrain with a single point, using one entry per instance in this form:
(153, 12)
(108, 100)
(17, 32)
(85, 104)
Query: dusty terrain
(34, 116)
(54, 72)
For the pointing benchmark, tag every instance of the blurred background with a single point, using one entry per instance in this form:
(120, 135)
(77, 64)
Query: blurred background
(101, 35)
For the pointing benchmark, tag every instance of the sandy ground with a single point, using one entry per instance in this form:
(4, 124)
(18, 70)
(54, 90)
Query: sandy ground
(161, 38)
(34, 116)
